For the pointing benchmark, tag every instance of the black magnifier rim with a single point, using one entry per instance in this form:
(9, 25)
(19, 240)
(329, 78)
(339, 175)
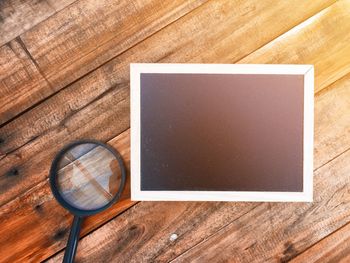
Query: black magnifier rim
(54, 185)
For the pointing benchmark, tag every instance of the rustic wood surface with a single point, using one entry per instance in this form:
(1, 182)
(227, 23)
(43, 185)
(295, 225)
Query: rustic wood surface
(64, 75)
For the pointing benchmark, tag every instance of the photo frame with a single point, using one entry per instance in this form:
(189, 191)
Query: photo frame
(148, 183)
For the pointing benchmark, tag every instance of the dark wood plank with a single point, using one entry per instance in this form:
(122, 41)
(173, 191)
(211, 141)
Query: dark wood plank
(31, 143)
(238, 232)
(42, 225)
(21, 82)
(83, 36)
(17, 17)
(325, 34)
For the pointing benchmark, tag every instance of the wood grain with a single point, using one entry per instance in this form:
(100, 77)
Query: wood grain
(17, 17)
(320, 41)
(21, 83)
(28, 141)
(332, 121)
(333, 248)
(71, 43)
(58, 5)
(37, 220)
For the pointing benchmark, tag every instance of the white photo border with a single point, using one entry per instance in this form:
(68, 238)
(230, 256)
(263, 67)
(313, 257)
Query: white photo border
(250, 196)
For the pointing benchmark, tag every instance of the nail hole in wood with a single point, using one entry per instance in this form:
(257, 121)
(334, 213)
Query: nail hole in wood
(38, 208)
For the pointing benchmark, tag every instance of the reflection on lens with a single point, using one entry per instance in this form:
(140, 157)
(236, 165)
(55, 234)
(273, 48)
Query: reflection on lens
(89, 176)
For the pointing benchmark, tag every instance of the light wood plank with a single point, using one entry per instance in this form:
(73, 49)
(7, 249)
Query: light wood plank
(334, 248)
(332, 121)
(31, 142)
(58, 5)
(17, 17)
(21, 83)
(321, 41)
(42, 226)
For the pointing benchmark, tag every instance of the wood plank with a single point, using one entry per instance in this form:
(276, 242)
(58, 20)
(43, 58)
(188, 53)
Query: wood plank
(89, 33)
(333, 248)
(268, 232)
(59, 4)
(17, 17)
(82, 32)
(310, 43)
(31, 143)
(21, 83)
(131, 236)
(332, 121)
(42, 225)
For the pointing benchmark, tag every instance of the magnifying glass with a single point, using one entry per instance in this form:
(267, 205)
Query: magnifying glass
(86, 177)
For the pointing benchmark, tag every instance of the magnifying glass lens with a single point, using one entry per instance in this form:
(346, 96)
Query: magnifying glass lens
(89, 176)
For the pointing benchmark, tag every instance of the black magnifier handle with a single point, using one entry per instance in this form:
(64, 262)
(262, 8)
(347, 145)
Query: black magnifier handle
(73, 239)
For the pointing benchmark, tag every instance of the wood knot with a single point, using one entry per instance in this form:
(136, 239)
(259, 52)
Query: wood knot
(60, 234)
(289, 252)
(133, 228)
(38, 208)
(13, 172)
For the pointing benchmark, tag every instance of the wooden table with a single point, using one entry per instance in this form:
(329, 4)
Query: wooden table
(64, 75)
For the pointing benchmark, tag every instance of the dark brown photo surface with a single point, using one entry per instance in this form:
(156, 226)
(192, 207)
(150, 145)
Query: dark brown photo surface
(221, 132)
